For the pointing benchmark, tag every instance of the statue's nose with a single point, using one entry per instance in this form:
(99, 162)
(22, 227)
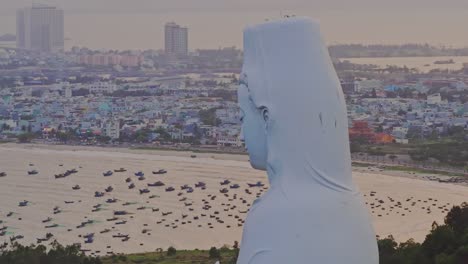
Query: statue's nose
(241, 135)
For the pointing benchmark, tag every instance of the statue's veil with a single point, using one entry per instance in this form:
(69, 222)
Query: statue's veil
(290, 72)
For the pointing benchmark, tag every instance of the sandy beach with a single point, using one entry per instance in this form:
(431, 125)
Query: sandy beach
(186, 218)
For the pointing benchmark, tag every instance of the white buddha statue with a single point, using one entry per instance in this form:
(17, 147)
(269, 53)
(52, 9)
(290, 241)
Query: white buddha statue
(295, 127)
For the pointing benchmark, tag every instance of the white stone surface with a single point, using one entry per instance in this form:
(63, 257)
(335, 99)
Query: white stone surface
(295, 128)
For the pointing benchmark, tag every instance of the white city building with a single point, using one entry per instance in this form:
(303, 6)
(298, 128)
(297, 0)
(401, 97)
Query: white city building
(229, 141)
(102, 87)
(112, 129)
(434, 98)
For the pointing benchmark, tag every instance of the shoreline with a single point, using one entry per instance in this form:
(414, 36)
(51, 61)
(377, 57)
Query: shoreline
(133, 150)
(405, 171)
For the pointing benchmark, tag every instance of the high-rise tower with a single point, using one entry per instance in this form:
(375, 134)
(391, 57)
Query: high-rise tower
(176, 39)
(40, 28)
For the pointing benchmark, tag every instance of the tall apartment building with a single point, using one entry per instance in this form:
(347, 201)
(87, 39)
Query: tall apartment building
(40, 28)
(112, 129)
(176, 39)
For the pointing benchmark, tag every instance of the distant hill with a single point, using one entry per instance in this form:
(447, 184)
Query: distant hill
(406, 50)
(8, 37)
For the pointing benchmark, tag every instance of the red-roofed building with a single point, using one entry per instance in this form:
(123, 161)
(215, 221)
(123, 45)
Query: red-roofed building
(361, 130)
(383, 138)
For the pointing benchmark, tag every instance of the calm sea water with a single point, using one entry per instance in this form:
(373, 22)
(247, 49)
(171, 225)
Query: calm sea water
(424, 64)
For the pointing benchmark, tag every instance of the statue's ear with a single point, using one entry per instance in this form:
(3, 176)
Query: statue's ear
(266, 116)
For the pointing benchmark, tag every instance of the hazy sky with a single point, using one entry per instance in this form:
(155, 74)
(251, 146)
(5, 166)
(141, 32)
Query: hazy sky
(138, 24)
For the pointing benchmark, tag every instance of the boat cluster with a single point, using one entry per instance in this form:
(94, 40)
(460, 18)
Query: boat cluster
(65, 174)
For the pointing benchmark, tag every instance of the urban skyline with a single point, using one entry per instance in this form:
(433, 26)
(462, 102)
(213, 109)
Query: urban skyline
(41, 28)
(126, 26)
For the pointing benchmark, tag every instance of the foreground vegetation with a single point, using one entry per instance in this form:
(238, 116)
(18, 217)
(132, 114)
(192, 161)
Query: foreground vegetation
(445, 244)
(225, 255)
(16, 253)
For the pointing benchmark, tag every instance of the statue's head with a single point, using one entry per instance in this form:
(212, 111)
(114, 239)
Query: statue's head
(292, 106)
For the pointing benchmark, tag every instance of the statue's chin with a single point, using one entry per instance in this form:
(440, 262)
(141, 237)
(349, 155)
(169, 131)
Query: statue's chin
(257, 165)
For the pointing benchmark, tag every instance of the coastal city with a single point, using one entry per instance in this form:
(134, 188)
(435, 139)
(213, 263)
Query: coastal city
(137, 155)
(179, 98)
(91, 96)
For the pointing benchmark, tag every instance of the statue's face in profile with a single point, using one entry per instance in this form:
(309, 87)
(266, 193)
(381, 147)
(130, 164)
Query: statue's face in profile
(253, 128)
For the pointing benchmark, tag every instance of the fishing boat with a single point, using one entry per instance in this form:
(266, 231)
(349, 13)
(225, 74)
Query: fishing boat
(143, 191)
(119, 235)
(258, 184)
(59, 176)
(162, 171)
(156, 184)
(89, 238)
(200, 185)
(225, 182)
(105, 231)
(113, 200)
